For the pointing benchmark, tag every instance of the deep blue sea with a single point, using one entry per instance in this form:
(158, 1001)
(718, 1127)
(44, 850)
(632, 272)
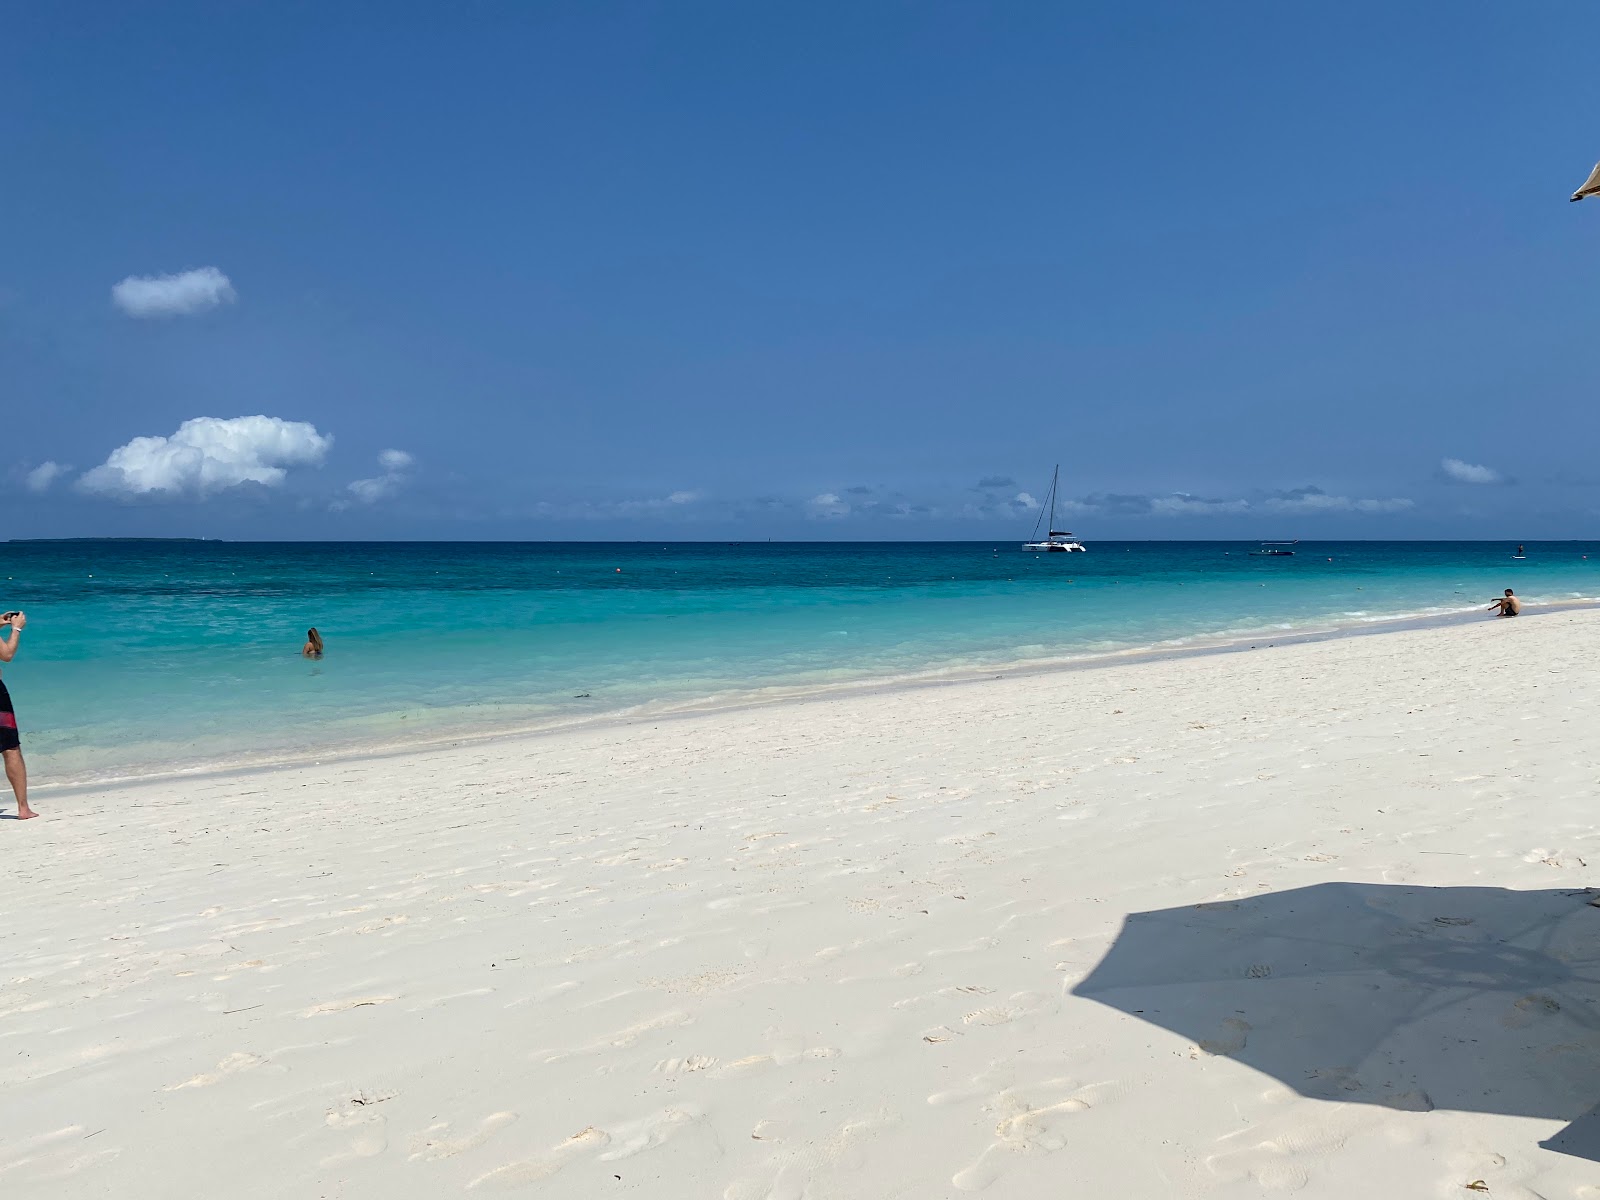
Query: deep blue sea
(147, 656)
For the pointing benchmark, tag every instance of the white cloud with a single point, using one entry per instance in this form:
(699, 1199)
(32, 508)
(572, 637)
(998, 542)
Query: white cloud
(395, 464)
(1465, 472)
(1315, 500)
(207, 455)
(173, 295)
(1023, 500)
(370, 491)
(1180, 504)
(827, 504)
(639, 508)
(46, 473)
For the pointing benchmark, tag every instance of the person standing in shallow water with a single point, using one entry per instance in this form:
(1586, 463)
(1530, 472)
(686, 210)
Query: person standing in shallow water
(313, 646)
(10, 739)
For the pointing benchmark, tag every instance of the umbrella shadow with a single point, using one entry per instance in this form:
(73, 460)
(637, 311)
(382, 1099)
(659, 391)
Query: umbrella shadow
(1475, 999)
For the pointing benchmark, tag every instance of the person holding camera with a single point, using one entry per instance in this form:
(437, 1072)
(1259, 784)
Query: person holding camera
(10, 741)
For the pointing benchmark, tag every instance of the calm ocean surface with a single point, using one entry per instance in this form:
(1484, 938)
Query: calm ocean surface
(146, 656)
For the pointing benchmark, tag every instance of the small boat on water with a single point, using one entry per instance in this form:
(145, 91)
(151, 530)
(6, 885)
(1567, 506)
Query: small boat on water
(1056, 540)
(1277, 549)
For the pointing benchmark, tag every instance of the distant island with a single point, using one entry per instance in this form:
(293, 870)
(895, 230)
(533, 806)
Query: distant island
(63, 541)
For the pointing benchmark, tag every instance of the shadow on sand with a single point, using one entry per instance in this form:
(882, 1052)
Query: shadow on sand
(1477, 999)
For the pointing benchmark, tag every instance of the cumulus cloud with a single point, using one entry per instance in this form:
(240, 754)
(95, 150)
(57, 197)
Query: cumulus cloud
(997, 481)
(1022, 500)
(208, 455)
(379, 487)
(173, 295)
(395, 464)
(44, 475)
(827, 504)
(1464, 472)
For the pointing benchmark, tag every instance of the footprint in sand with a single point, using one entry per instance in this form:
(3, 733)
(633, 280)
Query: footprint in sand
(532, 1170)
(1024, 1125)
(827, 1166)
(622, 1038)
(783, 1057)
(1230, 1039)
(1528, 1009)
(1018, 1005)
(1283, 1162)
(234, 1063)
(435, 1142)
(359, 1120)
(695, 1062)
(334, 1006)
(997, 1015)
(635, 1137)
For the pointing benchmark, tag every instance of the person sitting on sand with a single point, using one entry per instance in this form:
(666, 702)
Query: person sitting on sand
(1510, 606)
(313, 646)
(10, 739)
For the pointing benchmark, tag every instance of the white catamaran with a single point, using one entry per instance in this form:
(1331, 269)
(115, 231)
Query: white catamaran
(1055, 539)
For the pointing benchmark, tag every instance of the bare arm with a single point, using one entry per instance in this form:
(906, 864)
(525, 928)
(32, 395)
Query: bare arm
(8, 647)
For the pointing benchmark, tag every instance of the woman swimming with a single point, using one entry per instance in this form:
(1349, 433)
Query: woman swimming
(313, 646)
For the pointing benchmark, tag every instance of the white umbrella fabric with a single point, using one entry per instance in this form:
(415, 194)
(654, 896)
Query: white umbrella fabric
(1591, 185)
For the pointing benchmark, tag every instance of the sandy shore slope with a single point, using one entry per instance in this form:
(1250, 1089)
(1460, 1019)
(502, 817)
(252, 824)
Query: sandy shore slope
(833, 948)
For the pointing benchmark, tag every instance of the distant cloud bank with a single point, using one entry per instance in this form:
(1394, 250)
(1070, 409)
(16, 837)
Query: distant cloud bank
(859, 503)
(1307, 501)
(1464, 472)
(173, 295)
(208, 455)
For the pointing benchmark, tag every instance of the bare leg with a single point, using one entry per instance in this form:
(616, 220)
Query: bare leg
(17, 773)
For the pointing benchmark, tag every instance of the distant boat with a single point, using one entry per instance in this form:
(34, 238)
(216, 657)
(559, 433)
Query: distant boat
(1055, 539)
(1276, 549)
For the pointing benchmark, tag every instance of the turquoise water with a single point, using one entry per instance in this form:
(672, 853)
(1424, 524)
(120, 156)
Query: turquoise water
(142, 656)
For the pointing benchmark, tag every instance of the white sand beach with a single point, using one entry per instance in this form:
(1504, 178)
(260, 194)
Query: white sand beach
(833, 948)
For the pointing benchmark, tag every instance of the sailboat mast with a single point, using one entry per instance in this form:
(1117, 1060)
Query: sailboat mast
(1055, 481)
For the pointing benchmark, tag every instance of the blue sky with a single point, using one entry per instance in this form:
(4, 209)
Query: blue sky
(854, 270)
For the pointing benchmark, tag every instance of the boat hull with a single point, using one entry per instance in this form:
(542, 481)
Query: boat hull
(1056, 547)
